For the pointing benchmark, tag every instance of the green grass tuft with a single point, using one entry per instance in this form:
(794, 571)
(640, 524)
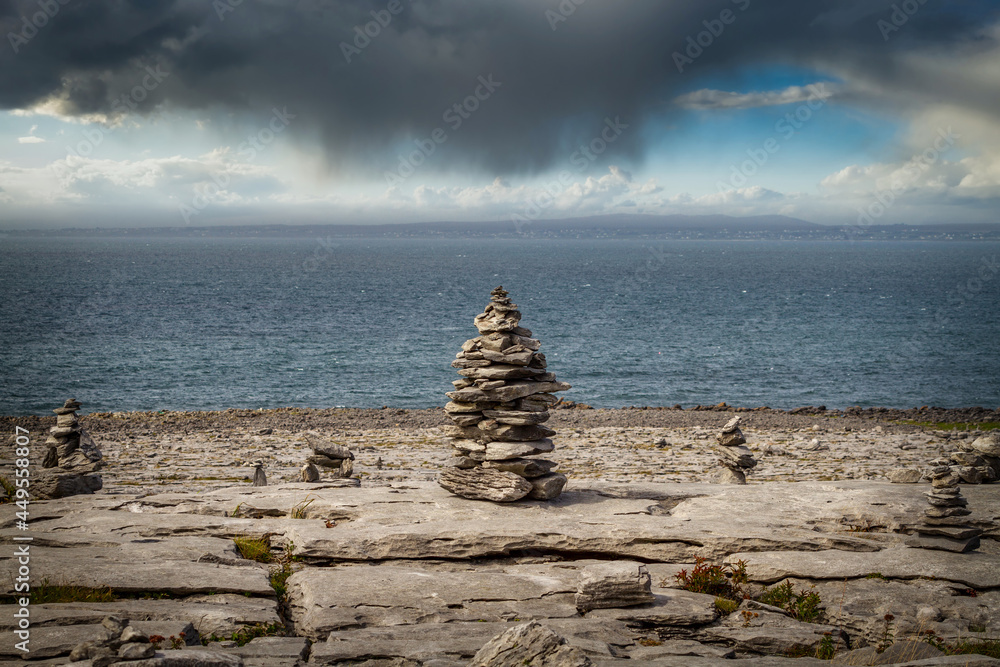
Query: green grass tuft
(254, 548)
(46, 593)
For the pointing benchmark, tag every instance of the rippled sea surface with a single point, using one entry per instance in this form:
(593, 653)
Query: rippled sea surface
(198, 324)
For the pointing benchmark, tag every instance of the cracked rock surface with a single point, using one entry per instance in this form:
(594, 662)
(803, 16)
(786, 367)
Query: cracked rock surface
(395, 570)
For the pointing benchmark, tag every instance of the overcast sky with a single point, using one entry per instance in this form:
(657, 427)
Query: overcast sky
(203, 112)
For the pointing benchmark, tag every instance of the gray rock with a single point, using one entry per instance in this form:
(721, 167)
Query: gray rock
(515, 355)
(460, 407)
(727, 475)
(530, 644)
(57, 483)
(971, 475)
(500, 372)
(259, 478)
(769, 634)
(904, 476)
(967, 459)
(907, 650)
(484, 484)
(613, 584)
(547, 487)
(862, 656)
(987, 445)
(524, 467)
(732, 425)
(736, 456)
(328, 600)
(733, 439)
(466, 419)
(309, 473)
(517, 417)
(272, 651)
(51, 459)
(135, 651)
(324, 461)
(511, 391)
(943, 543)
(502, 451)
(671, 608)
(189, 658)
(648, 655)
(130, 634)
(973, 570)
(489, 430)
(115, 624)
(424, 645)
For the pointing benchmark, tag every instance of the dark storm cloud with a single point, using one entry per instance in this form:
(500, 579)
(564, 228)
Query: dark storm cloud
(607, 58)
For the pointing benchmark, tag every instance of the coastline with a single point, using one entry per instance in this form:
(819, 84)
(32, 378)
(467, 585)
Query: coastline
(187, 451)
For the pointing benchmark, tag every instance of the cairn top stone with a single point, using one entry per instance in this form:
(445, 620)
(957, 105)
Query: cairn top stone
(732, 425)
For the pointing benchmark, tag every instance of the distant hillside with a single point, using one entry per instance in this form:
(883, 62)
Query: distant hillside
(603, 226)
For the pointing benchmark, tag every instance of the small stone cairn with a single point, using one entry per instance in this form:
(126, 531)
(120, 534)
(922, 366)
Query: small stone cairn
(978, 461)
(337, 459)
(498, 408)
(71, 460)
(736, 459)
(944, 526)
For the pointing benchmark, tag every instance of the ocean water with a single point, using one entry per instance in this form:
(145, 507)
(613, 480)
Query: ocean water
(197, 324)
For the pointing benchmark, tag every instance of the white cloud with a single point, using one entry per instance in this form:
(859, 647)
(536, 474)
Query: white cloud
(30, 140)
(708, 98)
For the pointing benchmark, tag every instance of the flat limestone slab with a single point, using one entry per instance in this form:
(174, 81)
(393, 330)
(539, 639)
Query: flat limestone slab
(670, 608)
(975, 569)
(210, 614)
(323, 600)
(675, 523)
(127, 570)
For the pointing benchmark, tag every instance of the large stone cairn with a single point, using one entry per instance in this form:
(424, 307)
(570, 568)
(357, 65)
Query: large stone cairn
(944, 525)
(736, 459)
(71, 459)
(498, 408)
(336, 459)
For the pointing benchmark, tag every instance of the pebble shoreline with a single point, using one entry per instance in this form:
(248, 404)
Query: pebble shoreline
(207, 450)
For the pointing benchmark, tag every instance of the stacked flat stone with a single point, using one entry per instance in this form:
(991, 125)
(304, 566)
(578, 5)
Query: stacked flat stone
(944, 525)
(337, 459)
(498, 408)
(735, 458)
(978, 462)
(70, 460)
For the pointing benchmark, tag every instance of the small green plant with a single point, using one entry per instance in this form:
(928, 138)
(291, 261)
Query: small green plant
(987, 647)
(726, 606)
(748, 617)
(887, 634)
(157, 641)
(280, 573)
(875, 575)
(649, 641)
(299, 511)
(726, 581)
(826, 650)
(802, 605)
(176, 642)
(254, 548)
(246, 633)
